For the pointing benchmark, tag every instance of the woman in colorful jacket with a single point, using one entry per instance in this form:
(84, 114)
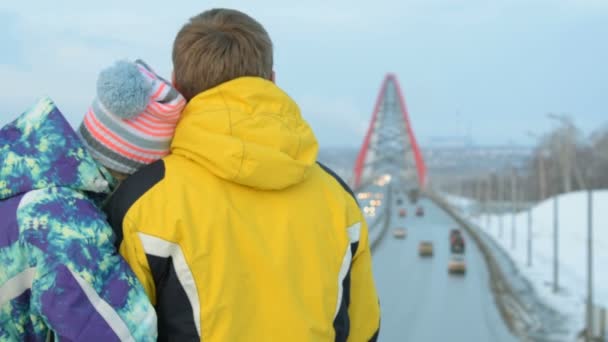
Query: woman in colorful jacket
(60, 274)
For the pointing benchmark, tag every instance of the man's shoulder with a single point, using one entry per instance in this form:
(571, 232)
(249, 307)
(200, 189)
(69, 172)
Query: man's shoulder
(331, 174)
(130, 191)
(140, 182)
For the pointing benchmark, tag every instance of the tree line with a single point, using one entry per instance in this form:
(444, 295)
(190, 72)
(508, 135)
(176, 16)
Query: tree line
(563, 160)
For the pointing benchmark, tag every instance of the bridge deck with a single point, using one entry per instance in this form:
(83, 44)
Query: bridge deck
(420, 301)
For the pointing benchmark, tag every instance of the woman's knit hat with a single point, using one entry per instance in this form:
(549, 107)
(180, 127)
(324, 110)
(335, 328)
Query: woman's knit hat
(132, 120)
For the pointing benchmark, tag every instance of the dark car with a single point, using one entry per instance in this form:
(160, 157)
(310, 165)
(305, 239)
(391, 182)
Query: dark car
(402, 212)
(454, 232)
(456, 242)
(420, 211)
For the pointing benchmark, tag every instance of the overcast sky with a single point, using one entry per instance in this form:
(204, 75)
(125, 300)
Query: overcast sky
(491, 68)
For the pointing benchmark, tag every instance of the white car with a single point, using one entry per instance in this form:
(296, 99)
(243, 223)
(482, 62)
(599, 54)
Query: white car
(400, 233)
(425, 249)
(457, 265)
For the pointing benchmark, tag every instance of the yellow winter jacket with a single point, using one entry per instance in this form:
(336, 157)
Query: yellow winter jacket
(240, 235)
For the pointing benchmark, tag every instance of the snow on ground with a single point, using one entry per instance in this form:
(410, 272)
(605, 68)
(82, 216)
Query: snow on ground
(572, 247)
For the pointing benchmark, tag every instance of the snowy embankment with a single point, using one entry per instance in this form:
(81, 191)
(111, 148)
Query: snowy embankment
(572, 247)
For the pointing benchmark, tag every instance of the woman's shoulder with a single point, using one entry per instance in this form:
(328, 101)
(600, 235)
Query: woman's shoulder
(55, 217)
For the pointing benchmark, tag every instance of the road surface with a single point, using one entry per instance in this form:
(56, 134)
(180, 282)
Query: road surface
(420, 301)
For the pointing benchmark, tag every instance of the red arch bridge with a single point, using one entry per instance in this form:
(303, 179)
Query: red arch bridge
(420, 299)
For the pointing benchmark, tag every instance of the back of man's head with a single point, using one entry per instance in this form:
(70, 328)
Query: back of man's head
(217, 46)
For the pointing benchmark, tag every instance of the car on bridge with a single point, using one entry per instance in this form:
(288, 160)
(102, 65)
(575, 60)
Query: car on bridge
(455, 233)
(400, 233)
(425, 249)
(420, 211)
(402, 212)
(457, 265)
(399, 201)
(456, 241)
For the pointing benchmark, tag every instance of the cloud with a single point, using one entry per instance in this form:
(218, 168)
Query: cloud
(491, 59)
(48, 54)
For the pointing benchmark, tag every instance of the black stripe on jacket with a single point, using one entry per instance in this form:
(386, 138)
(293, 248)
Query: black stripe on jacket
(175, 316)
(342, 320)
(128, 192)
(338, 179)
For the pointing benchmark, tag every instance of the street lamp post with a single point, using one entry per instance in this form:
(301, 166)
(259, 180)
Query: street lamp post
(529, 252)
(513, 207)
(564, 151)
(565, 165)
(501, 196)
(477, 198)
(589, 264)
(542, 179)
(555, 244)
(488, 183)
(567, 153)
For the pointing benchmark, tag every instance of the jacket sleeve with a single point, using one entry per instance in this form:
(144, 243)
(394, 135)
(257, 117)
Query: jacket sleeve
(85, 291)
(364, 308)
(127, 240)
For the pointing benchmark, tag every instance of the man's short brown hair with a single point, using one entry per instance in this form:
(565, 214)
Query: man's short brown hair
(217, 46)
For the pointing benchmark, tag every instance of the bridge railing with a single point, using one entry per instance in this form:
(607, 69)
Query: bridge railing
(378, 225)
(379, 230)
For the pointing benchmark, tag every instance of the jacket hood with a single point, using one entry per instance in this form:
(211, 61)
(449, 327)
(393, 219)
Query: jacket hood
(40, 150)
(247, 131)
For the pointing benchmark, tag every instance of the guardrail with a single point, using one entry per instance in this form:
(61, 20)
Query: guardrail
(543, 326)
(381, 223)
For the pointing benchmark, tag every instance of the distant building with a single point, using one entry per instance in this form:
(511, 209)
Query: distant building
(445, 158)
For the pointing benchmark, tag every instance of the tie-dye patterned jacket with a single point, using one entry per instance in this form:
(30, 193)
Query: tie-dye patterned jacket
(60, 274)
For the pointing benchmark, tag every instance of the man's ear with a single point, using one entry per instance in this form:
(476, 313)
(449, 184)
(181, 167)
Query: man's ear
(273, 77)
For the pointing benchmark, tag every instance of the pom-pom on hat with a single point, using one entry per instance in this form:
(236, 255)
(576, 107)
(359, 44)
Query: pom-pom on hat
(132, 120)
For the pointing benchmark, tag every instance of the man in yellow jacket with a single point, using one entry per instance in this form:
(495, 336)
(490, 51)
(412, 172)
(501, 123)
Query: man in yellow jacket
(239, 234)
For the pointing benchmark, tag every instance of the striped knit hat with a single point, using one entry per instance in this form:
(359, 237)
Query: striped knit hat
(132, 120)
